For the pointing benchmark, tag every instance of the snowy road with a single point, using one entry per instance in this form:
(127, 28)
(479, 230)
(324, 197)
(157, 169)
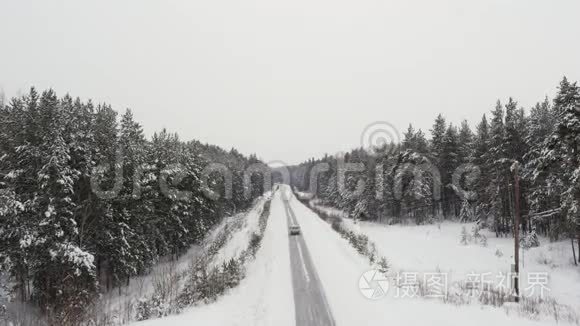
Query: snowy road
(313, 279)
(312, 308)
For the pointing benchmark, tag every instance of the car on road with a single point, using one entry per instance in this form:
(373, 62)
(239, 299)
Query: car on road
(294, 230)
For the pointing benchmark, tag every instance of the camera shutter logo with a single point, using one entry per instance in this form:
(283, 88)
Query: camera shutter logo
(373, 285)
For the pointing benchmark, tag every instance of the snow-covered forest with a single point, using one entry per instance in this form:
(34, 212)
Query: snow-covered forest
(290, 163)
(83, 208)
(90, 206)
(100, 225)
(459, 173)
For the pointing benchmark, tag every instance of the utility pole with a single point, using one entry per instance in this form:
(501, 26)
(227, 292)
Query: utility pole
(517, 232)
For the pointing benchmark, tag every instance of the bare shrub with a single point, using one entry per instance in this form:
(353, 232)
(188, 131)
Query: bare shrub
(205, 284)
(360, 242)
(543, 259)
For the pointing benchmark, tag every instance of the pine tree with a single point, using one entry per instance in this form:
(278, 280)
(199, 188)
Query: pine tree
(58, 255)
(421, 143)
(466, 142)
(415, 140)
(21, 160)
(545, 190)
(498, 191)
(466, 214)
(436, 149)
(128, 206)
(437, 136)
(449, 161)
(409, 137)
(515, 127)
(481, 149)
(67, 231)
(562, 148)
(2, 98)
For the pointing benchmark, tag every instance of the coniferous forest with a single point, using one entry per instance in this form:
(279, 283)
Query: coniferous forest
(88, 202)
(82, 204)
(290, 163)
(460, 173)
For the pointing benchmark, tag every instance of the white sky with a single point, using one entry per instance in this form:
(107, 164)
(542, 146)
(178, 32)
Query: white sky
(291, 79)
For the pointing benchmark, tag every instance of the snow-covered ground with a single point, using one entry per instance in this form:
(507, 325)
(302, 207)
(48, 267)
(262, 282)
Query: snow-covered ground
(240, 238)
(264, 297)
(340, 268)
(120, 303)
(430, 248)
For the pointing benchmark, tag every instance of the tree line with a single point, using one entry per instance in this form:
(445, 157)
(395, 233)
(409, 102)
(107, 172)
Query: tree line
(62, 241)
(459, 173)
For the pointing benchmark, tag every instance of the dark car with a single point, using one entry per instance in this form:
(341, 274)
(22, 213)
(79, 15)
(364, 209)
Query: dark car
(294, 230)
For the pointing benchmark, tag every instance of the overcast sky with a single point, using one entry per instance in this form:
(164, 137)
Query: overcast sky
(291, 79)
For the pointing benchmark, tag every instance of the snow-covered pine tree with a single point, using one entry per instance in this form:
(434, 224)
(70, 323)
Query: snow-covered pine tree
(2, 98)
(21, 159)
(165, 155)
(437, 135)
(436, 151)
(449, 161)
(467, 214)
(196, 211)
(59, 260)
(516, 126)
(531, 240)
(413, 184)
(497, 190)
(128, 206)
(408, 138)
(545, 189)
(563, 148)
(481, 149)
(59, 238)
(421, 143)
(415, 140)
(466, 142)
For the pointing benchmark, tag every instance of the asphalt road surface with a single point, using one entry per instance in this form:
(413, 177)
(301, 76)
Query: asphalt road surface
(311, 306)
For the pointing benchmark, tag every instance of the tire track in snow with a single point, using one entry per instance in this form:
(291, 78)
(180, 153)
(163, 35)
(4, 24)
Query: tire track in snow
(311, 306)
